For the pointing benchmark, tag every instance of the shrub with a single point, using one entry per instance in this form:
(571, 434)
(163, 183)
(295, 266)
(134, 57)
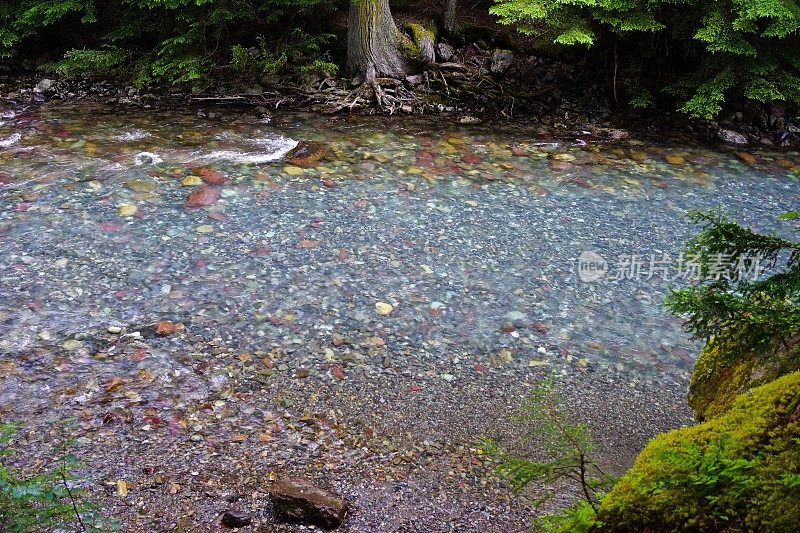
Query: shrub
(175, 41)
(49, 501)
(74, 62)
(733, 48)
(566, 447)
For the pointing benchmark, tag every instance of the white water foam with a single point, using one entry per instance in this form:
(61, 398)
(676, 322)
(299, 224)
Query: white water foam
(270, 149)
(147, 158)
(8, 141)
(134, 135)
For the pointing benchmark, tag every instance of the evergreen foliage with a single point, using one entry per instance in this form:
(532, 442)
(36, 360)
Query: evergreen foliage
(741, 314)
(47, 502)
(565, 447)
(174, 41)
(739, 48)
(746, 307)
(746, 49)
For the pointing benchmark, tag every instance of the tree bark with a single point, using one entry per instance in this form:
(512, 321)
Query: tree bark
(373, 42)
(448, 21)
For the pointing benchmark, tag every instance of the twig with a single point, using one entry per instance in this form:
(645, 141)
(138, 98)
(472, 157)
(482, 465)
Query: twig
(446, 87)
(217, 98)
(450, 66)
(584, 483)
(71, 496)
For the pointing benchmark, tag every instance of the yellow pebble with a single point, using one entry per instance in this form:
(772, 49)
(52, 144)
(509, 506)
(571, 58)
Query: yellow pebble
(126, 210)
(292, 170)
(383, 308)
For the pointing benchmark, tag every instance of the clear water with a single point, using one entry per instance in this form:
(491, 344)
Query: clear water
(472, 233)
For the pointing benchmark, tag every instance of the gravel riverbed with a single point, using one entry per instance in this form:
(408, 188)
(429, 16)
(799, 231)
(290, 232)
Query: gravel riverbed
(209, 316)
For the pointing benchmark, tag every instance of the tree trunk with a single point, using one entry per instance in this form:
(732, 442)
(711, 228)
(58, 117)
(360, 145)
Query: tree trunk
(449, 17)
(373, 42)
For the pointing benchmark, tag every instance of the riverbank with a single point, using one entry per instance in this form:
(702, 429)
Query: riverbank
(400, 449)
(489, 85)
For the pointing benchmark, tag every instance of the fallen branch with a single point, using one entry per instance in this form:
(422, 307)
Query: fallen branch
(216, 98)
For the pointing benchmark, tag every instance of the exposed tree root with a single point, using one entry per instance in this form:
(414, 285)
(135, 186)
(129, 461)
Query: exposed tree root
(386, 94)
(445, 86)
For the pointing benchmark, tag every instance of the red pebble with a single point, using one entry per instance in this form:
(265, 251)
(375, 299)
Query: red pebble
(202, 196)
(211, 176)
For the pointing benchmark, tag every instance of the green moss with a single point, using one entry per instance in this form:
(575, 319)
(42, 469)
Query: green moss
(737, 472)
(415, 33)
(722, 373)
(419, 32)
(408, 47)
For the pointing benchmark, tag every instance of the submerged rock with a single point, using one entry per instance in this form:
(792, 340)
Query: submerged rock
(202, 197)
(298, 499)
(140, 186)
(211, 176)
(307, 154)
(382, 308)
(166, 327)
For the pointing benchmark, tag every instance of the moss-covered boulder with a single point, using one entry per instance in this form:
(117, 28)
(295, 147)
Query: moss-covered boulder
(737, 472)
(723, 372)
(420, 45)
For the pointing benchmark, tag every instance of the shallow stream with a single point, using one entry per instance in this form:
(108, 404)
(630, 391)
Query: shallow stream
(471, 233)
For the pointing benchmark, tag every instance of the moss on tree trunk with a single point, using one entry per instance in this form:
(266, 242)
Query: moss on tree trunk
(373, 42)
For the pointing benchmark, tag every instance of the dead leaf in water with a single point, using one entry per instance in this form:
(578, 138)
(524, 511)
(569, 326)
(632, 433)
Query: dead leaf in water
(114, 384)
